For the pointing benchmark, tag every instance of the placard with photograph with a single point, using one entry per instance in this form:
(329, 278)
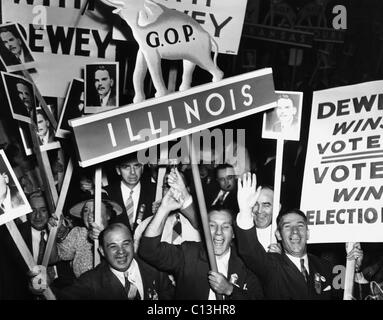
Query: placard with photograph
(13, 202)
(14, 51)
(73, 107)
(101, 87)
(284, 121)
(21, 96)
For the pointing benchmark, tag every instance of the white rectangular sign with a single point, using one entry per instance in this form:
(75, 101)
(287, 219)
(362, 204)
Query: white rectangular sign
(342, 188)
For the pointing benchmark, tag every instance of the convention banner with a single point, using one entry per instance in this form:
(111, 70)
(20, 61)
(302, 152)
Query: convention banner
(342, 188)
(113, 133)
(61, 38)
(221, 19)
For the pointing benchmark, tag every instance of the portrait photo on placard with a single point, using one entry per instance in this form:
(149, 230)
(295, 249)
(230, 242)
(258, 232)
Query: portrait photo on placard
(249, 59)
(14, 51)
(284, 121)
(73, 107)
(101, 87)
(13, 202)
(20, 95)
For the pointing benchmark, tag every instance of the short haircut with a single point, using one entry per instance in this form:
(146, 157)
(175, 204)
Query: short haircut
(221, 208)
(223, 166)
(41, 113)
(104, 68)
(15, 34)
(131, 157)
(111, 227)
(288, 211)
(284, 96)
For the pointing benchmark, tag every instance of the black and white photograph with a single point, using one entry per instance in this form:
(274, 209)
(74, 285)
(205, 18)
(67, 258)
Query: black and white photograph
(284, 120)
(21, 96)
(14, 51)
(205, 151)
(73, 107)
(101, 87)
(13, 202)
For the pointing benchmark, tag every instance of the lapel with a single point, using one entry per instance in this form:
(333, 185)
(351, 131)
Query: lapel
(26, 233)
(294, 271)
(115, 289)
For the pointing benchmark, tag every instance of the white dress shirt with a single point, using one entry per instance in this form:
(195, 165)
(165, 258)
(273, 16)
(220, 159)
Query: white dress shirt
(222, 266)
(264, 236)
(134, 276)
(104, 100)
(36, 236)
(125, 191)
(297, 262)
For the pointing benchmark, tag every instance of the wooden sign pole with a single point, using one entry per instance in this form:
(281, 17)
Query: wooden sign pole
(59, 209)
(202, 207)
(97, 209)
(277, 187)
(25, 253)
(349, 276)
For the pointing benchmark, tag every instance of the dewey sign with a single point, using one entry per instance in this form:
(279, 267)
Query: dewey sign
(110, 134)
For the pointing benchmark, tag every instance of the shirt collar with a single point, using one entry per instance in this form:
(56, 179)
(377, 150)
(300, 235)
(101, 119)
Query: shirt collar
(136, 188)
(131, 272)
(223, 262)
(105, 99)
(297, 261)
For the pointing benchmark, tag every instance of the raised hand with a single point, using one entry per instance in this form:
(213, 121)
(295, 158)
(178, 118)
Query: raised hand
(175, 181)
(357, 254)
(172, 200)
(247, 194)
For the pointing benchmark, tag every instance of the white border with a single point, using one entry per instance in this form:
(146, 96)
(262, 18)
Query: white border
(98, 109)
(21, 210)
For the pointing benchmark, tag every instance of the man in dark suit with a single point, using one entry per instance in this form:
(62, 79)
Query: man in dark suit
(226, 196)
(286, 112)
(104, 83)
(120, 277)
(134, 196)
(35, 234)
(17, 52)
(189, 264)
(293, 274)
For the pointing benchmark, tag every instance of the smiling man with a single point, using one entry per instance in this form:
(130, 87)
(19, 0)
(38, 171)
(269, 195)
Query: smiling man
(121, 276)
(188, 261)
(293, 274)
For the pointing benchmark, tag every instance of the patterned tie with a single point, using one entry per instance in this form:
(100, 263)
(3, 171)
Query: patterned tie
(130, 209)
(42, 246)
(131, 290)
(177, 230)
(304, 270)
(222, 198)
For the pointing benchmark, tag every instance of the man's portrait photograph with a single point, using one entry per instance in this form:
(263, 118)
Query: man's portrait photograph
(101, 87)
(21, 96)
(284, 120)
(13, 202)
(14, 51)
(73, 107)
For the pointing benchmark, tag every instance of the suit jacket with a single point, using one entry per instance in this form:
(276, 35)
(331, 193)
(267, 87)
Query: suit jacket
(147, 195)
(95, 100)
(100, 283)
(281, 279)
(10, 59)
(189, 264)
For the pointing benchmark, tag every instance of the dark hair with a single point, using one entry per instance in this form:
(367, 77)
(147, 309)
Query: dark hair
(15, 34)
(126, 158)
(41, 113)
(104, 68)
(218, 207)
(288, 211)
(223, 166)
(111, 227)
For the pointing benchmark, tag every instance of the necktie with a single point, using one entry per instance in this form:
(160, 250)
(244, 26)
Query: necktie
(222, 198)
(304, 270)
(131, 290)
(130, 209)
(177, 230)
(2, 209)
(42, 246)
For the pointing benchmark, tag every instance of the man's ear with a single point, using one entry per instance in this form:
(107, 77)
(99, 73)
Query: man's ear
(6, 178)
(295, 111)
(118, 170)
(101, 250)
(308, 234)
(112, 83)
(278, 235)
